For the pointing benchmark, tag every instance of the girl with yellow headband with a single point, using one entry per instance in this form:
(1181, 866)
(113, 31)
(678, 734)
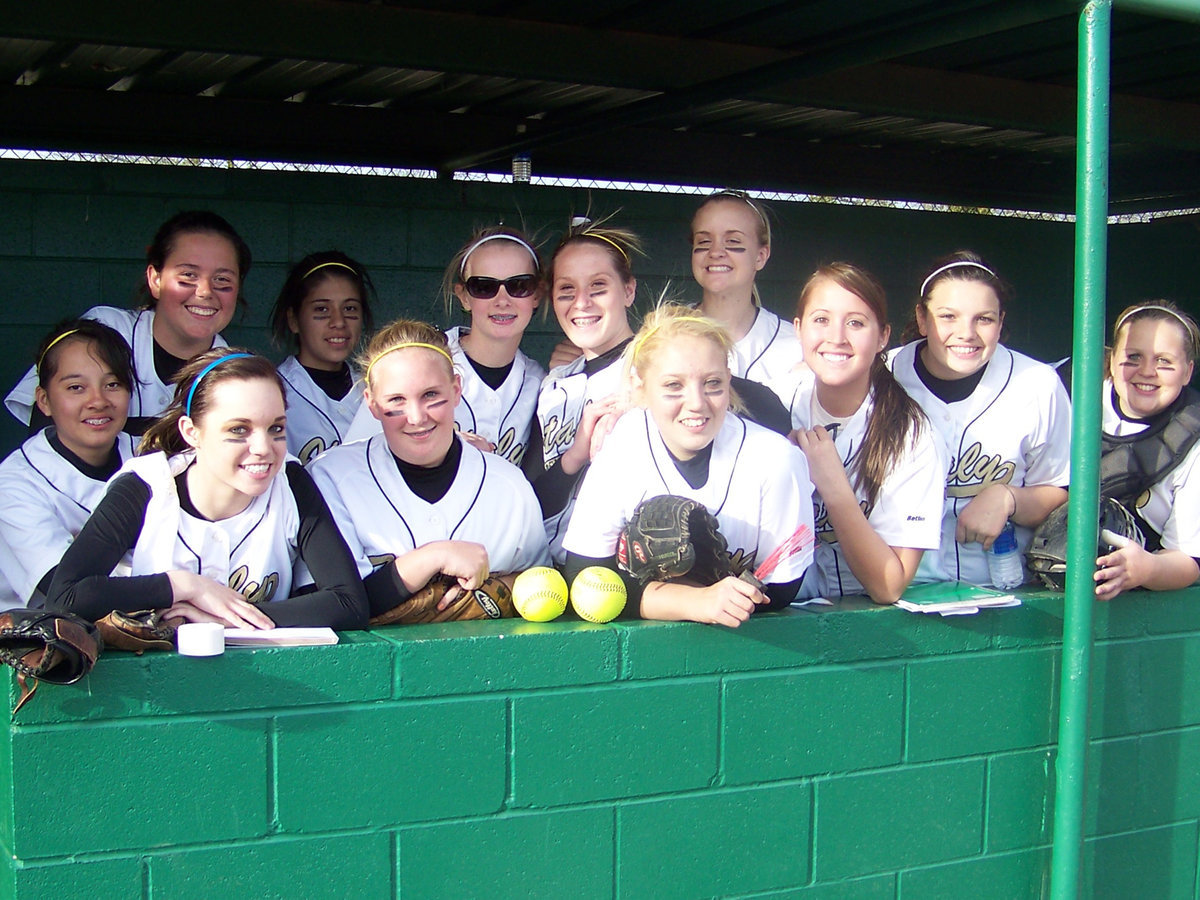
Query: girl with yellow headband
(495, 278)
(418, 500)
(216, 524)
(686, 441)
(195, 267)
(324, 308)
(592, 287)
(54, 480)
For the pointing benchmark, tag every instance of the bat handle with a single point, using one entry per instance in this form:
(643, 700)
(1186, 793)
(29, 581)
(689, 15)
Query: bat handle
(751, 579)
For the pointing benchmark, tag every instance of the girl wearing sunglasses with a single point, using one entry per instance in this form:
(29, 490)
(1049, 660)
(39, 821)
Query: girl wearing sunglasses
(495, 278)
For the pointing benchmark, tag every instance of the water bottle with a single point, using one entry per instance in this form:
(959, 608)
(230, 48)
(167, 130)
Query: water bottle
(1004, 560)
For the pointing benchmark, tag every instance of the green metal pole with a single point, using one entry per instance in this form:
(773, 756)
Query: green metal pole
(1091, 264)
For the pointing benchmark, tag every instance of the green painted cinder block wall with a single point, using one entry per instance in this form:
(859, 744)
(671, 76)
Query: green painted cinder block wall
(856, 753)
(73, 235)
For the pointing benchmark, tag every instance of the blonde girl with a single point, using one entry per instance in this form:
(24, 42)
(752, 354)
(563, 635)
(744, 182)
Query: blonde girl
(417, 500)
(685, 441)
(731, 243)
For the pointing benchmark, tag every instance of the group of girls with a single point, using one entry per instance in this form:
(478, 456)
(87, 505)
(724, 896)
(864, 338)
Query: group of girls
(904, 465)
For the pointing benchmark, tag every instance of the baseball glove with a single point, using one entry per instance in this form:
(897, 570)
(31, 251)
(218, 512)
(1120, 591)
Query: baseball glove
(1047, 553)
(137, 631)
(57, 647)
(670, 538)
(491, 600)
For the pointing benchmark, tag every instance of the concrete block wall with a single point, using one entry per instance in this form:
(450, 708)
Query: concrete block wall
(857, 753)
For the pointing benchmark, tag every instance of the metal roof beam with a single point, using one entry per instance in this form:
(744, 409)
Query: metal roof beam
(384, 35)
(936, 96)
(959, 21)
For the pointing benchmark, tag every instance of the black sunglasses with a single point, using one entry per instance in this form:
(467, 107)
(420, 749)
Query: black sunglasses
(519, 286)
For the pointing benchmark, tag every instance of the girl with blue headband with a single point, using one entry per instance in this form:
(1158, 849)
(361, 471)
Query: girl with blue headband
(215, 524)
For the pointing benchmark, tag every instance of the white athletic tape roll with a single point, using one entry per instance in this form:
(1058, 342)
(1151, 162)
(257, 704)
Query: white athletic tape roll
(201, 639)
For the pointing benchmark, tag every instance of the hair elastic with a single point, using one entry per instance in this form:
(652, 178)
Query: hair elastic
(187, 407)
(405, 345)
(1188, 327)
(954, 265)
(42, 358)
(462, 268)
(607, 240)
(736, 194)
(331, 263)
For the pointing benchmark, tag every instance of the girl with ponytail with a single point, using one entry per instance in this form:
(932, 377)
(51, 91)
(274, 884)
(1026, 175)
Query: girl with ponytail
(878, 472)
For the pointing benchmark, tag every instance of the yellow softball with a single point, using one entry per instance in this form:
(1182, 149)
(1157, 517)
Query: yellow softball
(598, 594)
(540, 594)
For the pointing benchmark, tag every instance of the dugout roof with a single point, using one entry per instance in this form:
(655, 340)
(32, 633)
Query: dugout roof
(954, 101)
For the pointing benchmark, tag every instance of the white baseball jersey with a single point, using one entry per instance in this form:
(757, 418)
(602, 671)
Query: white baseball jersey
(489, 503)
(502, 416)
(768, 354)
(1014, 428)
(150, 395)
(908, 505)
(758, 488)
(254, 552)
(1171, 506)
(315, 421)
(46, 501)
(565, 392)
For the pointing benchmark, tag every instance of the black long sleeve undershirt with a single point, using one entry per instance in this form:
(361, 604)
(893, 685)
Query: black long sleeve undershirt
(82, 583)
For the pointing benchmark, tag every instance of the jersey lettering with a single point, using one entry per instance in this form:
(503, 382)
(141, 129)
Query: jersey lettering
(742, 561)
(314, 447)
(824, 530)
(508, 447)
(239, 580)
(974, 471)
(379, 560)
(558, 436)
